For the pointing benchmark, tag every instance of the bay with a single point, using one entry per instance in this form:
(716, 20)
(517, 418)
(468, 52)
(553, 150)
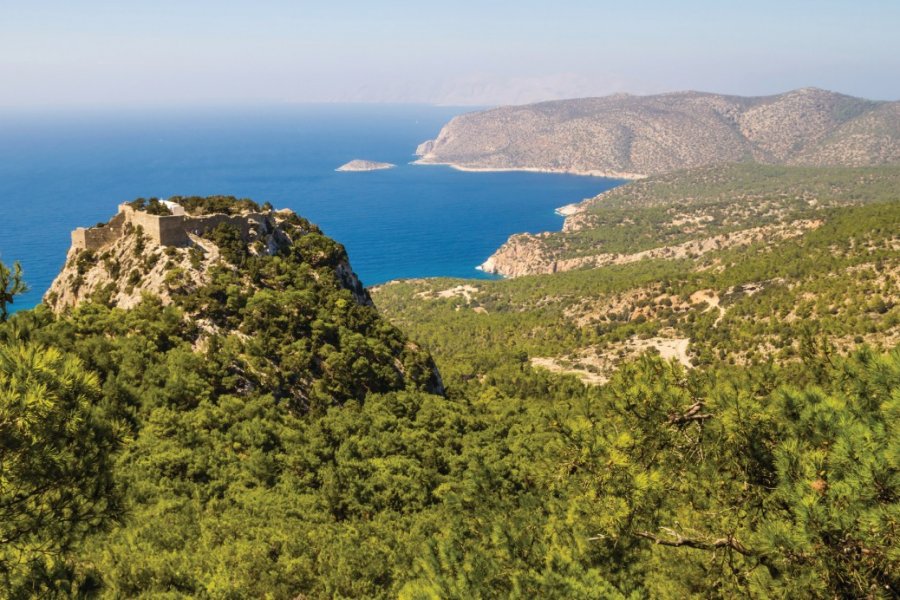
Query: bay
(61, 170)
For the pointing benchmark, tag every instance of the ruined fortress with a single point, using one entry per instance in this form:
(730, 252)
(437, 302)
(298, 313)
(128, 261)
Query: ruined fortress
(164, 230)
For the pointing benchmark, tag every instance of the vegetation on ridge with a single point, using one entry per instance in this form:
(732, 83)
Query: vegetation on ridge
(11, 285)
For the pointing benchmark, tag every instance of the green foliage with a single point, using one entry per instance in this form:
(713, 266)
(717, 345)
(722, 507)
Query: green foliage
(839, 281)
(763, 482)
(55, 467)
(199, 205)
(152, 206)
(715, 201)
(281, 440)
(522, 484)
(228, 238)
(229, 205)
(770, 471)
(11, 285)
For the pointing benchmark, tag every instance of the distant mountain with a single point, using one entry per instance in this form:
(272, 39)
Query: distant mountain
(636, 136)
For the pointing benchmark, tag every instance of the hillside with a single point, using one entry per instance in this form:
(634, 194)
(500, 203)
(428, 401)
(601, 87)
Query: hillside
(692, 213)
(744, 263)
(697, 369)
(205, 335)
(716, 425)
(252, 276)
(635, 136)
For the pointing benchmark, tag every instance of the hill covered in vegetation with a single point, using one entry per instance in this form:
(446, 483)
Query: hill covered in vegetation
(634, 136)
(690, 213)
(293, 448)
(181, 404)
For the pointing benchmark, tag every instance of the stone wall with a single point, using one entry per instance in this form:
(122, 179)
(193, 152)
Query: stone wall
(165, 230)
(95, 238)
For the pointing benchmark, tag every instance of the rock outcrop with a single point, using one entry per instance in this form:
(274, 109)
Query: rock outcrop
(137, 253)
(630, 137)
(365, 165)
(267, 283)
(524, 254)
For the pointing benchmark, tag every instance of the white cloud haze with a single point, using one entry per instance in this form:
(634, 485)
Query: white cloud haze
(103, 53)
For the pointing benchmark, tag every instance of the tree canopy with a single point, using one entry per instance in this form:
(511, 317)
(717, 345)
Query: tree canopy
(11, 285)
(56, 446)
(269, 433)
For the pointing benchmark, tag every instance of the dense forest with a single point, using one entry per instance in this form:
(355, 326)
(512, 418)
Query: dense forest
(269, 435)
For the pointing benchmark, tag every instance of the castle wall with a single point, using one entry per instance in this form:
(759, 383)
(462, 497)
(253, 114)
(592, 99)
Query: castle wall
(165, 230)
(171, 231)
(96, 238)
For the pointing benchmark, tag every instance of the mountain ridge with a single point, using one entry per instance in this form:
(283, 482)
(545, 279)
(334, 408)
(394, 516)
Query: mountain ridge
(630, 137)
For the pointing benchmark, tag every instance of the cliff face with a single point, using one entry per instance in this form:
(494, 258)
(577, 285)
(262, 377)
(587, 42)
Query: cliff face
(527, 254)
(635, 136)
(129, 262)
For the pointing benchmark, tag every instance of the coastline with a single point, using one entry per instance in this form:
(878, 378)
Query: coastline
(488, 267)
(566, 211)
(583, 173)
(571, 209)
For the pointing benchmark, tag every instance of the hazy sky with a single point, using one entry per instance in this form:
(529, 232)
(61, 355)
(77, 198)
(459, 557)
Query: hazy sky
(195, 52)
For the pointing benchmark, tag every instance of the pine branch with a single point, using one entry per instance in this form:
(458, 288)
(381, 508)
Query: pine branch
(677, 540)
(693, 413)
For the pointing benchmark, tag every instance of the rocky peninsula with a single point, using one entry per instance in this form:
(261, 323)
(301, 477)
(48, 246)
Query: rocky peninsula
(688, 214)
(630, 137)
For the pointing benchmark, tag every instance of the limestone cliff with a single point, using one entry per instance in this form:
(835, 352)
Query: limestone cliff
(166, 255)
(630, 137)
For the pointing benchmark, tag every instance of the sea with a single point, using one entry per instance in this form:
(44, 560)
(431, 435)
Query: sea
(64, 169)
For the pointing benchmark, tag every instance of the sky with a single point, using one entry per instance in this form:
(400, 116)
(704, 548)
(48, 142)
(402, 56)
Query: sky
(99, 53)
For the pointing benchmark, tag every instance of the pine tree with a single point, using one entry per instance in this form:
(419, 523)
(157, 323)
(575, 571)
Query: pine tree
(55, 449)
(11, 285)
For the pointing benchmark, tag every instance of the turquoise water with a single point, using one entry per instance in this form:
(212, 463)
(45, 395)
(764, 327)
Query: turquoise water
(63, 170)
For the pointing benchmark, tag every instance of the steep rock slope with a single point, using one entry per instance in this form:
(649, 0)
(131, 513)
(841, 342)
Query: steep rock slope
(634, 136)
(133, 262)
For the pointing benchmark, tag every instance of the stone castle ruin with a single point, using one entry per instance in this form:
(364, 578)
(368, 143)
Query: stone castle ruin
(164, 230)
(137, 252)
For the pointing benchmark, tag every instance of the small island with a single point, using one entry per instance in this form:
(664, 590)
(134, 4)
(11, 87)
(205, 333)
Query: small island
(365, 165)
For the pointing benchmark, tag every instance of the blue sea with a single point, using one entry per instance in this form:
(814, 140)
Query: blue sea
(61, 170)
